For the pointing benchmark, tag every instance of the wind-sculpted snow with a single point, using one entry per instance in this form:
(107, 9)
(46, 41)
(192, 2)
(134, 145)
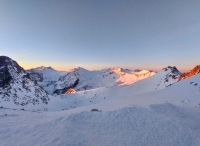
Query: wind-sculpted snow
(159, 124)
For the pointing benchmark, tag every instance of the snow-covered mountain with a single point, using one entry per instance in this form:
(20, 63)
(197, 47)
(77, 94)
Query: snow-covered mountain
(183, 92)
(16, 87)
(161, 80)
(158, 110)
(46, 77)
(19, 86)
(66, 82)
(119, 76)
(167, 117)
(56, 82)
(136, 117)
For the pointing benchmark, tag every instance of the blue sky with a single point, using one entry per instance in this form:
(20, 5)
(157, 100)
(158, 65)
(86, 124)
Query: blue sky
(97, 34)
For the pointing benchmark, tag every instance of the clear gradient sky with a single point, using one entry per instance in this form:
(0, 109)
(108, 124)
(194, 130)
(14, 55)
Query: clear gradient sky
(96, 34)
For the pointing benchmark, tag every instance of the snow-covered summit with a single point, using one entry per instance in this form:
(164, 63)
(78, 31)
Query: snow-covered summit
(127, 77)
(161, 80)
(112, 77)
(120, 70)
(43, 68)
(172, 69)
(55, 82)
(164, 78)
(78, 69)
(46, 77)
(16, 86)
(6, 62)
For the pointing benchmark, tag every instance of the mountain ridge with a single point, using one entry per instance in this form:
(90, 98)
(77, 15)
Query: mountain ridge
(17, 86)
(35, 85)
(190, 73)
(82, 79)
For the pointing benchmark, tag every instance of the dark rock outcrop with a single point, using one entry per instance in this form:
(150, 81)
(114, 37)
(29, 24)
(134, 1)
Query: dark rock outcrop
(190, 73)
(67, 87)
(16, 85)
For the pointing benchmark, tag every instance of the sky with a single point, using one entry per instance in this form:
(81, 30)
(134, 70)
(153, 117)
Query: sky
(97, 34)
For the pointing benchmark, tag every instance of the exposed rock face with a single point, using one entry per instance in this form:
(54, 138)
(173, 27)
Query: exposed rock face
(69, 91)
(66, 82)
(192, 72)
(39, 74)
(46, 77)
(35, 76)
(17, 86)
(173, 74)
(173, 69)
(5, 65)
(167, 76)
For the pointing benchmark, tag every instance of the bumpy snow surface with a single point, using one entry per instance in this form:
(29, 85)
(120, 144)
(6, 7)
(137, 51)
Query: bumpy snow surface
(119, 115)
(112, 107)
(159, 124)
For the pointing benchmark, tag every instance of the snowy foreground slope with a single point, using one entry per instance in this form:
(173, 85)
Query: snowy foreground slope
(126, 116)
(158, 124)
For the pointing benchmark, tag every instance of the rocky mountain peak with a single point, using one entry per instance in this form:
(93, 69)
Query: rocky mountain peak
(16, 85)
(42, 68)
(6, 62)
(78, 69)
(137, 70)
(172, 69)
(8, 68)
(190, 73)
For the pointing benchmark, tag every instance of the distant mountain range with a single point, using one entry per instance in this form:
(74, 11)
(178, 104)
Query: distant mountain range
(59, 82)
(39, 86)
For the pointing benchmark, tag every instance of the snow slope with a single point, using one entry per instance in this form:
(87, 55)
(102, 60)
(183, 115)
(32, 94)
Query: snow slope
(157, 110)
(163, 79)
(167, 117)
